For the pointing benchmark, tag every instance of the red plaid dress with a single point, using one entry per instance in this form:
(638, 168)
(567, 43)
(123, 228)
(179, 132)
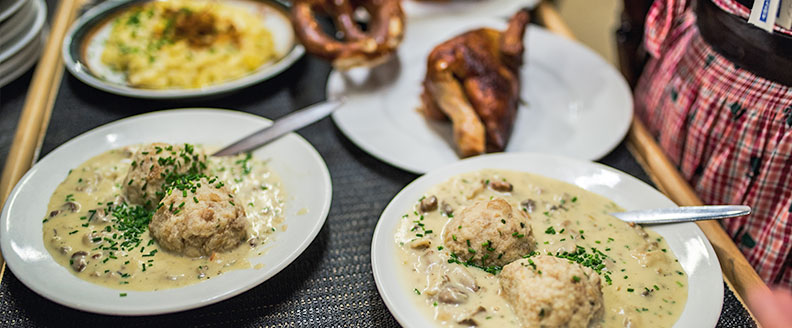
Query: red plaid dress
(728, 131)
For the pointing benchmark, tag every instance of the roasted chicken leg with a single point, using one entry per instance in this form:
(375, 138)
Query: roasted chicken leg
(473, 79)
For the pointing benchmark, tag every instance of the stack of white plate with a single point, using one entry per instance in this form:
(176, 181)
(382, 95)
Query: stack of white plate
(22, 36)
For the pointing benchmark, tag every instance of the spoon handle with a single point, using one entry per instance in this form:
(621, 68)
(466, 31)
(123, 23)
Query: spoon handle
(683, 214)
(288, 123)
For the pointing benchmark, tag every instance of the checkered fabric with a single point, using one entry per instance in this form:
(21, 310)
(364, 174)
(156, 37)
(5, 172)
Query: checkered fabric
(729, 132)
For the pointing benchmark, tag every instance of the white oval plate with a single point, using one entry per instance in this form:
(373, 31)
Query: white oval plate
(19, 63)
(578, 105)
(17, 23)
(32, 29)
(492, 8)
(9, 7)
(689, 244)
(83, 59)
(305, 179)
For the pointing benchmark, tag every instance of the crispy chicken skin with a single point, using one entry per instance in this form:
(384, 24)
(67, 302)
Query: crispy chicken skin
(473, 80)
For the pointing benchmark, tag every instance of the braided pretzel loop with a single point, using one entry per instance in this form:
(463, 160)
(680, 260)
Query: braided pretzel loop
(358, 47)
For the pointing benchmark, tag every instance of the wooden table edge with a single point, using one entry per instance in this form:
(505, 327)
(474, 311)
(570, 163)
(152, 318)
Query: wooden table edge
(737, 272)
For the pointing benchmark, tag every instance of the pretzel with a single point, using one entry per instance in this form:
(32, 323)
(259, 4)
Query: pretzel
(358, 47)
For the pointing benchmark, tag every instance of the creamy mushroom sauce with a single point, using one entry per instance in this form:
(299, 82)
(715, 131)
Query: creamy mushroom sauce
(643, 283)
(77, 221)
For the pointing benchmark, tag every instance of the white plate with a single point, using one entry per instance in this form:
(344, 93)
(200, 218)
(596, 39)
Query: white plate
(84, 43)
(16, 24)
(19, 63)
(32, 29)
(491, 8)
(695, 254)
(578, 105)
(305, 180)
(9, 7)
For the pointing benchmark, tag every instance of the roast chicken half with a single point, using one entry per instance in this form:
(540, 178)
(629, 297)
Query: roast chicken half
(473, 79)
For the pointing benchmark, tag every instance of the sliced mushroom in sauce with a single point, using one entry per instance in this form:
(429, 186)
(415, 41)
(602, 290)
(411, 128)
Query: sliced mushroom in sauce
(528, 205)
(65, 249)
(447, 209)
(78, 261)
(91, 238)
(72, 206)
(429, 204)
(99, 216)
(452, 293)
(501, 186)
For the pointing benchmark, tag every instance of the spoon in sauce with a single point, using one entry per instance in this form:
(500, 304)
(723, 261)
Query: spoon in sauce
(682, 214)
(281, 126)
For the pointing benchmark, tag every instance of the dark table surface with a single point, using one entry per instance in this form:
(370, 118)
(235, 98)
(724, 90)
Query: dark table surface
(331, 283)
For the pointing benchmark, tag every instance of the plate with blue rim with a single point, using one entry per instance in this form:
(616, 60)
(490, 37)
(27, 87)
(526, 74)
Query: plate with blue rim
(85, 41)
